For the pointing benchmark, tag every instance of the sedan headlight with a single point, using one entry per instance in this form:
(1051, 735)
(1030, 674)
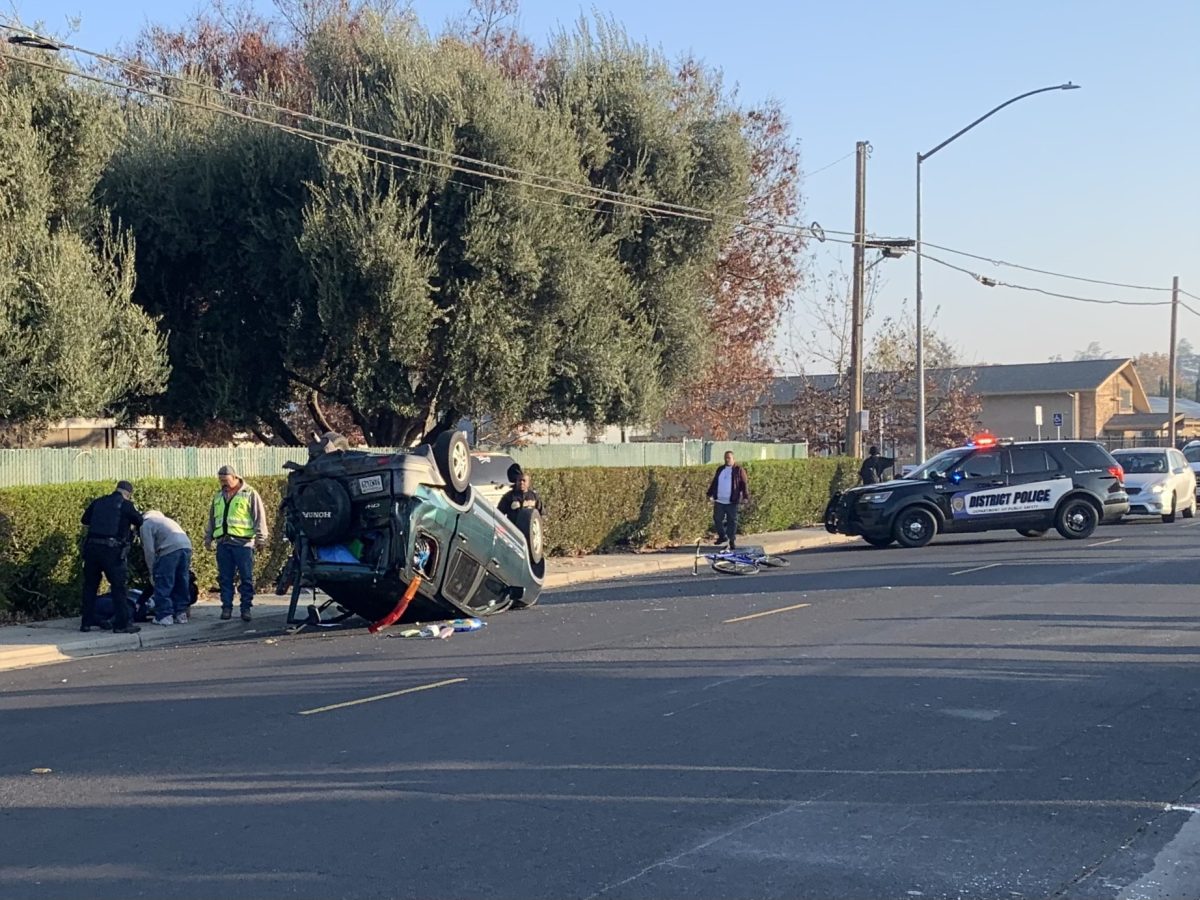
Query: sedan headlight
(1157, 488)
(881, 497)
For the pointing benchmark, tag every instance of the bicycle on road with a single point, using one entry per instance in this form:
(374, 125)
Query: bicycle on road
(742, 561)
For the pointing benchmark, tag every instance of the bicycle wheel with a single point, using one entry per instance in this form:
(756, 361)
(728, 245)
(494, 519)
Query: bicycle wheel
(734, 567)
(774, 562)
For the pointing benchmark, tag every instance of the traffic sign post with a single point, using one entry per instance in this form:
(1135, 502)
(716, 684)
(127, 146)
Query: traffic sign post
(1058, 420)
(1037, 420)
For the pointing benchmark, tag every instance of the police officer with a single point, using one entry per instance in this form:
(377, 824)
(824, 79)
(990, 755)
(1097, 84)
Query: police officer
(521, 495)
(873, 467)
(110, 523)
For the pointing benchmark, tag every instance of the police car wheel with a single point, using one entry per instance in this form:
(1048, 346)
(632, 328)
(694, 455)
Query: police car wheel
(1076, 519)
(1190, 512)
(914, 528)
(1032, 532)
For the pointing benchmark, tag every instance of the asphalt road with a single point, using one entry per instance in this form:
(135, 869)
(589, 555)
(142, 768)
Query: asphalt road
(988, 717)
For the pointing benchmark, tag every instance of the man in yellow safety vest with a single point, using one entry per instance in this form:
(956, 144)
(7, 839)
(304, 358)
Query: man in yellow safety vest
(237, 524)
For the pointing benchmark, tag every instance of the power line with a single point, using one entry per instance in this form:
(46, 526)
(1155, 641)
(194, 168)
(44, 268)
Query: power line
(991, 282)
(463, 164)
(517, 176)
(1000, 262)
(829, 166)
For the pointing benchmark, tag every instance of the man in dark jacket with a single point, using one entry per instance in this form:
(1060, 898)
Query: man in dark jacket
(110, 523)
(873, 467)
(727, 490)
(521, 495)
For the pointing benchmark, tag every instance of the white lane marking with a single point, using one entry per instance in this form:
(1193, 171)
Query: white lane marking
(1109, 541)
(977, 569)
(411, 690)
(1190, 525)
(769, 612)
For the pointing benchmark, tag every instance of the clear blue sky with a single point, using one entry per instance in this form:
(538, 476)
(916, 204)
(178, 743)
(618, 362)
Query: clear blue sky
(1099, 182)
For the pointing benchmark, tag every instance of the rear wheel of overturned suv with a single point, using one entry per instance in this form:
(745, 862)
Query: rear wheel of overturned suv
(1076, 519)
(323, 509)
(915, 527)
(1031, 532)
(452, 454)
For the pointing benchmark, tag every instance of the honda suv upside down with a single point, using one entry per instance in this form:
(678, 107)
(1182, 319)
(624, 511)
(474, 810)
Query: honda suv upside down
(366, 525)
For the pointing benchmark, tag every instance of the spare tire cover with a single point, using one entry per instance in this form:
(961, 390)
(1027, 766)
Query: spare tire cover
(323, 509)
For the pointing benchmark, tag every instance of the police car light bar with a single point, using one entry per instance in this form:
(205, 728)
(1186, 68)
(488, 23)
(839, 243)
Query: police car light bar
(983, 440)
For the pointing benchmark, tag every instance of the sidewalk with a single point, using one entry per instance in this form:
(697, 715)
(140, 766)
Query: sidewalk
(60, 639)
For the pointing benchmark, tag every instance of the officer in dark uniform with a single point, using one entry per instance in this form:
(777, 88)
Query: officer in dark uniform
(110, 525)
(521, 495)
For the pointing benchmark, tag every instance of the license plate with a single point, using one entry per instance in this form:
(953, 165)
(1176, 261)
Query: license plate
(370, 485)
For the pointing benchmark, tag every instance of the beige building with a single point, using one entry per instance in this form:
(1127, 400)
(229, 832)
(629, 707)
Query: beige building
(1095, 399)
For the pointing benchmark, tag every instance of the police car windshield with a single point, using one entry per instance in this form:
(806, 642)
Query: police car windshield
(940, 464)
(1143, 463)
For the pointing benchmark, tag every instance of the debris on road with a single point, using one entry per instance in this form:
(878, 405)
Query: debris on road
(442, 630)
(40, 771)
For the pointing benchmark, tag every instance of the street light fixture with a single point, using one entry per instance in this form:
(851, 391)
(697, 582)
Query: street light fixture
(921, 157)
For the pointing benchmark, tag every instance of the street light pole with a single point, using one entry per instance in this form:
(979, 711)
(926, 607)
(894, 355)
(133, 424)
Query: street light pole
(921, 157)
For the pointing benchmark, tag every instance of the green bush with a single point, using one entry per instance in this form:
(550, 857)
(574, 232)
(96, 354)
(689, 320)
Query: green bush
(588, 510)
(599, 509)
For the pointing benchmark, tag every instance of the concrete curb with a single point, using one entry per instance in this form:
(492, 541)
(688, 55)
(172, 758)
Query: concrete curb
(24, 646)
(678, 559)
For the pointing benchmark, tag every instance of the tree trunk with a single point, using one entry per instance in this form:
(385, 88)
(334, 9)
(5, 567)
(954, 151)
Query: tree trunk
(313, 401)
(282, 432)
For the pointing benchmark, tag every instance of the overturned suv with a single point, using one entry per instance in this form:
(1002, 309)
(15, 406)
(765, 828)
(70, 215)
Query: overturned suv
(1071, 486)
(365, 525)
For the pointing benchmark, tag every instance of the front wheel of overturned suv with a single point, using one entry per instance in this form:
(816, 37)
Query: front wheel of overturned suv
(1031, 532)
(914, 527)
(1076, 519)
(529, 522)
(879, 542)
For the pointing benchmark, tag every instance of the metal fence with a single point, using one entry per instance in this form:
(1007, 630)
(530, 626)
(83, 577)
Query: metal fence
(678, 453)
(26, 467)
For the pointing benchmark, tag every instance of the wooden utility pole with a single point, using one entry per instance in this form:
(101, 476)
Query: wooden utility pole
(1172, 376)
(854, 419)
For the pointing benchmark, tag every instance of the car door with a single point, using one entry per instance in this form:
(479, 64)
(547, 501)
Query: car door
(1038, 483)
(1182, 478)
(978, 488)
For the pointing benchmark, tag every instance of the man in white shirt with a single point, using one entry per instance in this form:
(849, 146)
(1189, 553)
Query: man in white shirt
(728, 488)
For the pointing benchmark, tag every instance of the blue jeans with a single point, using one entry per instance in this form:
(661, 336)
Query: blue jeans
(172, 590)
(235, 560)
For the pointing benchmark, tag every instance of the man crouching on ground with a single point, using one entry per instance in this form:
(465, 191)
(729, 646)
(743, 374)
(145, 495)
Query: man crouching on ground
(237, 524)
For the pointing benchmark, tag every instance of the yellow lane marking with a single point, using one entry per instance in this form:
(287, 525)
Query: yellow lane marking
(1109, 541)
(411, 690)
(769, 612)
(977, 569)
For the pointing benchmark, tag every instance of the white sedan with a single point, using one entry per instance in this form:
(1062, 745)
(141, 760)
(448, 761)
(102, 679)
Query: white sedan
(1159, 482)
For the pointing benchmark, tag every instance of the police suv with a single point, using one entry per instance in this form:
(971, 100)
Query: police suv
(989, 484)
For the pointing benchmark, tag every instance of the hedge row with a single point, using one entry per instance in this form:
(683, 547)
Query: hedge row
(588, 510)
